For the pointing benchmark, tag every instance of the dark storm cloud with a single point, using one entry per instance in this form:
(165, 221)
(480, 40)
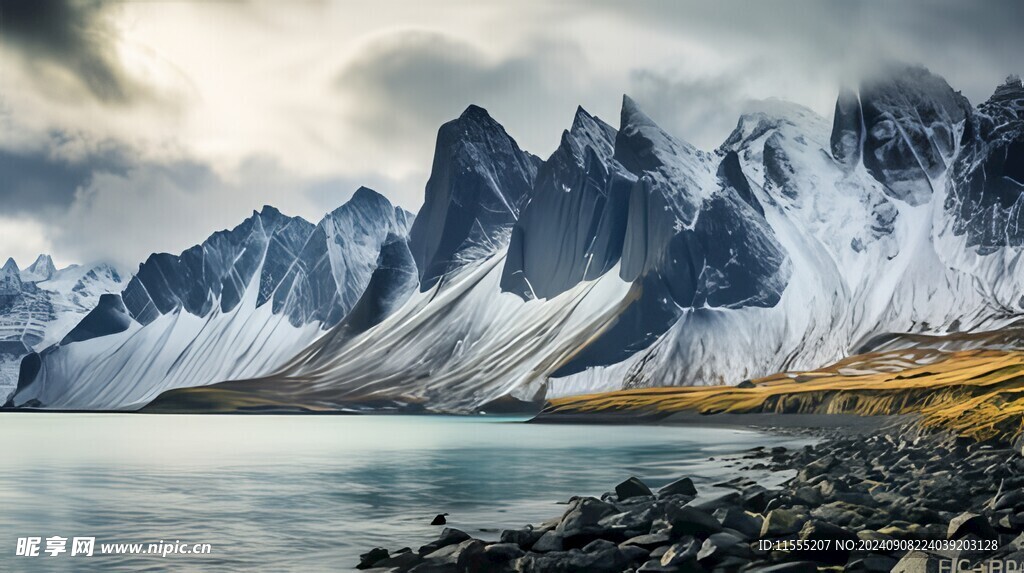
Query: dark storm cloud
(697, 110)
(43, 180)
(973, 44)
(73, 35)
(409, 83)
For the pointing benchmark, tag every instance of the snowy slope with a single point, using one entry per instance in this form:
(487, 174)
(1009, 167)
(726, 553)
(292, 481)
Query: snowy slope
(40, 305)
(236, 306)
(875, 250)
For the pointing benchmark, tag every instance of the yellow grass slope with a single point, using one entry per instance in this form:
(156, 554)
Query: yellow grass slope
(975, 393)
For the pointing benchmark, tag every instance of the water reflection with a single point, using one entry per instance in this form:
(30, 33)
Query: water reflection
(311, 493)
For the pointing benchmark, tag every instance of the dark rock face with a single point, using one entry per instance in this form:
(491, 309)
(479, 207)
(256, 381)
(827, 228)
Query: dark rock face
(479, 182)
(779, 171)
(987, 181)
(109, 317)
(731, 176)
(684, 246)
(393, 280)
(10, 281)
(573, 227)
(910, 118)
(337, 260)
(847, 129)
(217, 269)
(309, 273)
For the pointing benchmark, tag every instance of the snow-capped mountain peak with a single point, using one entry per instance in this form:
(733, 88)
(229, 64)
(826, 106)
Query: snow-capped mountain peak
(239, 304)
(42, 269)
(10, 278)
(479, 182)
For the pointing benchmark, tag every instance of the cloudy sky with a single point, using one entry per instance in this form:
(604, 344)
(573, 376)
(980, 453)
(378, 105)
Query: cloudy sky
(133, 127)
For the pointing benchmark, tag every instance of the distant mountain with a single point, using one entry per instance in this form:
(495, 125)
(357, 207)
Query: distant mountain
(628, 258)
(41, 270)
(239, 304)
(41, 305)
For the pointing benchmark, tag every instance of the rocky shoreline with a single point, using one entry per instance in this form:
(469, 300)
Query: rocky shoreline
(891, 500)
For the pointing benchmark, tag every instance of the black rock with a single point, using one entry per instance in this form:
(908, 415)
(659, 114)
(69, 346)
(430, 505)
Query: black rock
(792, 567)
(970, 523)
(780, 522)
(815, 530)
(818, 531)
(737, 519)
(502, 552)
(683, 552)
(550, 541)
(682, 486)
(524, 538)
(435, 567)
(655, 566)
(648, 541)
(603, 560)
(449, 536)
(371, 557)
(468, 554)
(1009, 500)
(718, 546)
(872, 563)
(755, 499)
(632, 487)
(401, 561)
(582, 520)
(688, 520)
(731, 499)
(439, 519)
(634, 554)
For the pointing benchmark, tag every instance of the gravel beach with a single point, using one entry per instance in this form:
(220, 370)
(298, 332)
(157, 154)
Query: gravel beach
(871, 495)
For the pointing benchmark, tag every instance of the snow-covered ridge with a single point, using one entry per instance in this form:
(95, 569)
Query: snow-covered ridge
(628, 258)
(238, 305)
(40, 305)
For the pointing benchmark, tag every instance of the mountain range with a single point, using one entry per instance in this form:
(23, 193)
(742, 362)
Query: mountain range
(40, 306)
(627, 259)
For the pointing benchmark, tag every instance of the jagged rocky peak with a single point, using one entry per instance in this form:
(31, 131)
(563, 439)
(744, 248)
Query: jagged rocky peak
(695, 238)
(333, 266)
(908, 129)
(41, 270)
(573, 226)
(479, 181)
(216, 271)
(1006, 106)
(847, 129)
(677, 172)
(589, 131)
(10, 279)
(987, 182)
(1010, 90)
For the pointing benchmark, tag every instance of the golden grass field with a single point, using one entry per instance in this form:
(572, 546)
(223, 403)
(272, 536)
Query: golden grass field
(977, 393)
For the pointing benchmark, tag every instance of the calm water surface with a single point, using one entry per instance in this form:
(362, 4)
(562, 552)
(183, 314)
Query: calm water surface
(309, 493)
